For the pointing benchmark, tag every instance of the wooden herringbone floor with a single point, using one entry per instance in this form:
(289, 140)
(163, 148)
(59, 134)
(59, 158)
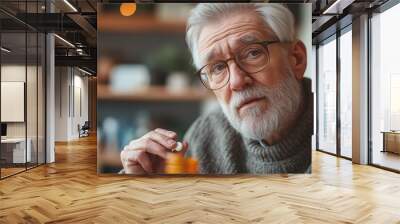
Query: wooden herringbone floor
(70, 191)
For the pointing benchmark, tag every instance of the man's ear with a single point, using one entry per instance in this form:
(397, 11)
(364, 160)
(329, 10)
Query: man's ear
(298, 59)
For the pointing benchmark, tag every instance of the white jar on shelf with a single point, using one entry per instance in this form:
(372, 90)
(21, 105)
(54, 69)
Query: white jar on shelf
(177, 82)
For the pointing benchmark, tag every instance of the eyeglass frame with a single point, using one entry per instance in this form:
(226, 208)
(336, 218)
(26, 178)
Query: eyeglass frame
(264, 43)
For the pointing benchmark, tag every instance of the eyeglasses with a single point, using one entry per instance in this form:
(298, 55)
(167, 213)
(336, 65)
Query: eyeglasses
(250, 59)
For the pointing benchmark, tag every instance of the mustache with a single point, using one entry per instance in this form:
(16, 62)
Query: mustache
(250, 93)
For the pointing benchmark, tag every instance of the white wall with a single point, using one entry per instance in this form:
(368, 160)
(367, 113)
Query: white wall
(81, 100)
(304, 33)
(33, 126)
(12, 101)
(61, 103)
(70, 83)
(14, 73)
(17, 73)
(313, 77)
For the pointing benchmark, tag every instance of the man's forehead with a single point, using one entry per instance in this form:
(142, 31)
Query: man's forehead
(208, 53)
(239, 32)
(249, 38)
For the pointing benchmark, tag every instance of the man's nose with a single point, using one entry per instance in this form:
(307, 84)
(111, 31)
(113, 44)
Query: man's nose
(238, 78)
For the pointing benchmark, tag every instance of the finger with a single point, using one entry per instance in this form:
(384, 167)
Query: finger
(167, 133)
(148, 145)
(163, 140)
(155, 148)
(130, 166)
(134, 157)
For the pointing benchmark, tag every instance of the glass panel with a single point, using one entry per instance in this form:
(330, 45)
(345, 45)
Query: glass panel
(23, 82)
(385, 89)
(13, 87)
(346, 94)
(41, 99)
(327, 97)
(32, 88)
(31, 97)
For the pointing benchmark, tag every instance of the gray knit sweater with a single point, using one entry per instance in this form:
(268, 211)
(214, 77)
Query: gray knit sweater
(220, 149)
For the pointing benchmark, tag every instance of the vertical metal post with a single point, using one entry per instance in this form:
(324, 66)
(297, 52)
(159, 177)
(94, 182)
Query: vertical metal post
(317, 94)
(26, 86)
(338, 76)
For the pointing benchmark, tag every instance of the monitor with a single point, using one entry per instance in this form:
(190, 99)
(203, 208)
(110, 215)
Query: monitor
(3, 129)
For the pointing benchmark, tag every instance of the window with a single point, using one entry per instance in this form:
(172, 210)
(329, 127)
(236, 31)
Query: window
(385, 89)
(346, 94)
(327, 96)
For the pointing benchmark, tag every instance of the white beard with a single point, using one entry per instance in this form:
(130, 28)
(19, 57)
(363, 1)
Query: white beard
(283, 101)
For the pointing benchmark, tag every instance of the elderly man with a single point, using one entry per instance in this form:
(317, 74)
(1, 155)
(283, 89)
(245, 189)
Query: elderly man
(247, 54)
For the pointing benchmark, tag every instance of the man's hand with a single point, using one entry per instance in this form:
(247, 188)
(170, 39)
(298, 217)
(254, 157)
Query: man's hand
(148, 153)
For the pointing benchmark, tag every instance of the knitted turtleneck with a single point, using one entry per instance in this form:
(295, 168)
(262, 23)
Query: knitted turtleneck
(220, 149)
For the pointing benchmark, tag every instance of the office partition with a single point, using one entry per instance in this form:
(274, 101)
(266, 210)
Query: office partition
(22, 88)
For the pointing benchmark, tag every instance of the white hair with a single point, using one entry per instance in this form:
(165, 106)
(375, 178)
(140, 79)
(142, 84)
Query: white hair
(277, 17)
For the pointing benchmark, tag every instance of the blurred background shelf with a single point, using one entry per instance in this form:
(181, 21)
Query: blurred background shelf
(153, 93)
(110, 159)
(147, 55)
(142, 23)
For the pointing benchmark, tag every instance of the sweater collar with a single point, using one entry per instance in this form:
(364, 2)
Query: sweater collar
(291, 144)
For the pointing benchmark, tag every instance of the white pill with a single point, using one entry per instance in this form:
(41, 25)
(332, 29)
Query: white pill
(178, 147)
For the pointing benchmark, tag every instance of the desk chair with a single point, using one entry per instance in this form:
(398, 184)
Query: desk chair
(84, 130)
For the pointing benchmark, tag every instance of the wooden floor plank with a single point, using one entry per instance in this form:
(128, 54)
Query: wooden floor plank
(70, 191)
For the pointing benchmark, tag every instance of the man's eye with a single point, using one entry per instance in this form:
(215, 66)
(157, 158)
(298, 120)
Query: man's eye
(218, 68)
(253, 53)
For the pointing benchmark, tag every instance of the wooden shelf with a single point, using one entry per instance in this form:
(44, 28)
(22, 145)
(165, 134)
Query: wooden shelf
(152, 93)
(109, 159)
(142, 23)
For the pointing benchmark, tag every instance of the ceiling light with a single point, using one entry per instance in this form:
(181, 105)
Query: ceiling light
(70, 5)
(338, 6)
(79, 51)
(127, 9)
(5, 50)
(65, 41)
(326, 11)
(84, 71)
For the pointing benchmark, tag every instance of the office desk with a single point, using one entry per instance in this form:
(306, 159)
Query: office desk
(391, 141)
(13, 150)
